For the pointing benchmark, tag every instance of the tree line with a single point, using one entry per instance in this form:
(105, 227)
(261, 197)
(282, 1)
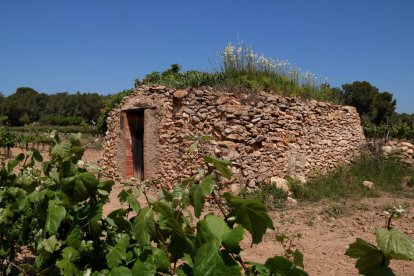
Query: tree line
(27, 105)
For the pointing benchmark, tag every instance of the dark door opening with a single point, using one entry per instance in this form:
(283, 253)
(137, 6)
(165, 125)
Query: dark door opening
(136, 126)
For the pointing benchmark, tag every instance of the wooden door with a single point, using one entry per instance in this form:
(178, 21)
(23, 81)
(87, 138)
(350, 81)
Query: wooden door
(136, 126)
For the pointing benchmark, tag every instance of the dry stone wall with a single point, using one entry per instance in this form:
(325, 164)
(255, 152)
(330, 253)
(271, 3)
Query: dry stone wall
(264, 135)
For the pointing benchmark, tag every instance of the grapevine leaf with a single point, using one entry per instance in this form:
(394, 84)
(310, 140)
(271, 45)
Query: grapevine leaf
(94, 217)
(46, 167)
(118, 253)
(89, 181)
(220, 164)
(395, 244)
(106, 185)
(76, 153)
(79, 192)
(55, 214)
(368, 255)
(13, 163)
(161, 260)
(231, 240)
(230, 263)
(66, 265)
(209, 262)
(75, 237)
(180, 194)
(200, 191)
(144, 226)
(61, 151)
(51, 244)
(251, 214)
(143, 269)
(212, 228)
(281, 266)
(36, 155)
(167, 195)
(298, 258)
(117, 219)
(121, 270)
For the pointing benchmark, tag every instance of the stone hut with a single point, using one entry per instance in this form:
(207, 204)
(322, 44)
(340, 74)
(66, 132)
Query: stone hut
(264, 135)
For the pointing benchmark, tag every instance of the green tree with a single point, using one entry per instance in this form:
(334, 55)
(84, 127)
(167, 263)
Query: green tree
(25, 102)
(373, 106)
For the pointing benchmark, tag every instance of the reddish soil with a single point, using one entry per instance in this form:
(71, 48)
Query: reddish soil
(324, 237)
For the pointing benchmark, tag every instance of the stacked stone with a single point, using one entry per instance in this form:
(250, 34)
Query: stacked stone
(264, 135)
(404, 150)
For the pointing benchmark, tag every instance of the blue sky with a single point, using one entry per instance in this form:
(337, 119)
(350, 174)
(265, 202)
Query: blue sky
(101, 45)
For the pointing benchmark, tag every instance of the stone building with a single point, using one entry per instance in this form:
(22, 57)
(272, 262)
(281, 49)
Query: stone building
(264, 135)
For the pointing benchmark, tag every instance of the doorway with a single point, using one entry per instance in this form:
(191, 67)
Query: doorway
(136, 126)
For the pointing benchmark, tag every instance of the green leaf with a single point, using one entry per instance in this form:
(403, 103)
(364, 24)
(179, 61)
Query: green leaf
(212, 228)
(89, 180)
(116, 255)
(251, 214)
(281, 266)
(75, 237)
(167, 195)
(13, 163)
(193, 146)
(46, 167)
(55, 215)
(298, 258)
(160, 260)
(180, 194)
(209, 261)
(220, 164)
(144, 226)
(106, 185)
(36, 155)
(79, 190)
(231, 240)
(395, 244)
(76, 153)
(51, 244)
(200, 191)
(61, 151)
(368, 256)
(143, 269)
(121, 270)
(66, 265)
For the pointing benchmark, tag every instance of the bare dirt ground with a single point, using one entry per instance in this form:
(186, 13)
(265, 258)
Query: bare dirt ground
(327, 229)
(324, 237)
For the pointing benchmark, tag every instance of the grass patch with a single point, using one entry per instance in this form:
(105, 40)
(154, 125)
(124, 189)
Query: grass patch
(240, 69)
(388, 175)
(273, 197)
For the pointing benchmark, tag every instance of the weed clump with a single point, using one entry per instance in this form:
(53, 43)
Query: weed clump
(272, 196)
(388, 175)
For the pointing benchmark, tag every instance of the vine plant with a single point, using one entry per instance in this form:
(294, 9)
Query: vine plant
(392, 244)
(54, 210)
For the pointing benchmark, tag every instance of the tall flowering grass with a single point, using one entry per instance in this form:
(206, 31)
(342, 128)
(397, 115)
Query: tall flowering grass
(244, 67)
